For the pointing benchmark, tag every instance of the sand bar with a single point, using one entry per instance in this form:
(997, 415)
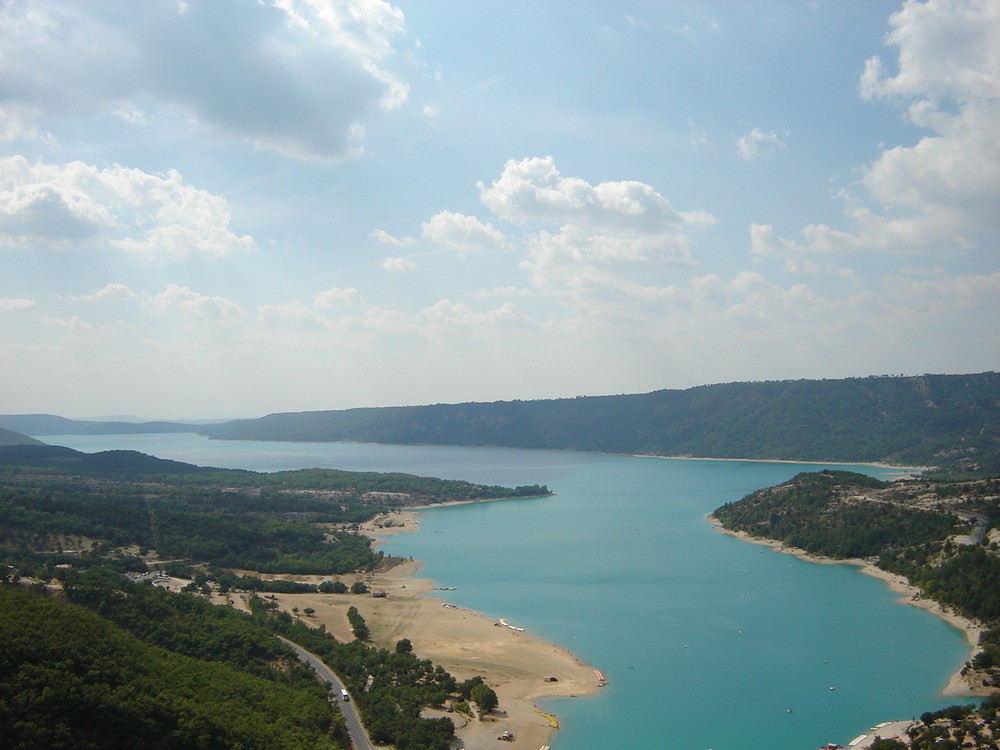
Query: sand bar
(517, 665)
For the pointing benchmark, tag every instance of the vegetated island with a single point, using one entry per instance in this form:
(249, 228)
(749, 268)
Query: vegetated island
(112, 565)
(936, 540)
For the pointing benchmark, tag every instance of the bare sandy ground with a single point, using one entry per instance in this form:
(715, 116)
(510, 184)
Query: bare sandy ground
(958, 684)
(518, 666)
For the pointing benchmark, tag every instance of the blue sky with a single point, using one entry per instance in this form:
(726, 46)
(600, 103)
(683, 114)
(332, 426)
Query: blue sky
(229, 207)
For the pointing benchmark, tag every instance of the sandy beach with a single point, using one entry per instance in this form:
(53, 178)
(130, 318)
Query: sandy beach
(517, 665)
(958, 684)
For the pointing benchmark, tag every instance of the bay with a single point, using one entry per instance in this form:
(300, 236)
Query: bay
(708, 641)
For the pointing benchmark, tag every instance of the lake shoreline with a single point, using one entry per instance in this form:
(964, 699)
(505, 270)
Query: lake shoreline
(958, 684)
(521, 668)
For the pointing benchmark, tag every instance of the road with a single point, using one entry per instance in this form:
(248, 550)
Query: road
(359, 737)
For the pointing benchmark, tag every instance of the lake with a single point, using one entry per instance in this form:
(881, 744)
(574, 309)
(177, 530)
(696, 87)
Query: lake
(708, 641)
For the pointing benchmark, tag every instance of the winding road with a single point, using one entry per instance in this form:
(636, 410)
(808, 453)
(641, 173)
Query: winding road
(359, 737)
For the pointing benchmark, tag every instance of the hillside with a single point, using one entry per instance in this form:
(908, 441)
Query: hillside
(72, 679)
(949, 420)
(9, 437)
(50, 424)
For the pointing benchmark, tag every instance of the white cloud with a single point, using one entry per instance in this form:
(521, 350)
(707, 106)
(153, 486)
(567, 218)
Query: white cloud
(192, 305)
(13, 304)
(464, 234)
(757, 144)
(696, 136)
(588, 237)
(17, 123)
(75, 205)
(501, 291)
(335, 297)
(947, 50)
(942, 192)
(533, 191)
(296, 76)
(108, 292)
(73, 323)
(444, 320)
(398, 265)
(292, 314)
(387, 239)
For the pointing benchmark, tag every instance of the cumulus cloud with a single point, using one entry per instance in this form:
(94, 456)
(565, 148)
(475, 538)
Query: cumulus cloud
(464, 234)
(454, 317)
(757, 144)
(108, 292)
(73, 323)
(335, 297)
(295, 76)
(398, 265)
(194, 306)
(943, 191)
(533, 190)
(74, 205)
(387, 239)
(502, 291)
(585, 237)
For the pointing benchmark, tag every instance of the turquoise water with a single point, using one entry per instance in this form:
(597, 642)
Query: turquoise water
(707, 641)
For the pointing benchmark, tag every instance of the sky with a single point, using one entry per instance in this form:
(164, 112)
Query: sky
(227, 208)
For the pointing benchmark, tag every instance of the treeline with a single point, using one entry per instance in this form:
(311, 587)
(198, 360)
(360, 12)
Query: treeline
(930, 419)
(842, 515)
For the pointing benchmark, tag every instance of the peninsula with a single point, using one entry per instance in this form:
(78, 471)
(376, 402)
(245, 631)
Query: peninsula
(286, 554)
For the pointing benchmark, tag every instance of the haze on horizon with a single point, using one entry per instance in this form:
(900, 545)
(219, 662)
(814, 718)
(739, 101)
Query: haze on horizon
(227, 208)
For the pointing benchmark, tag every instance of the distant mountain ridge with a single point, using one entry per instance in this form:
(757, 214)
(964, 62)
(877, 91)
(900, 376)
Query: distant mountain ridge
(50, 424)
(945, 420)
(929, 419)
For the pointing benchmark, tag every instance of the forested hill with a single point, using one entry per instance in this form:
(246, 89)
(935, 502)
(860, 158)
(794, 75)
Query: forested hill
(931, 419)
(9, 437)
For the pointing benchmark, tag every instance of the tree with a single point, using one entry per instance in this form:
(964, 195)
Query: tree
(403, 646)
(882, 743)
(358, 625)
(359, 587)
(485, 698)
